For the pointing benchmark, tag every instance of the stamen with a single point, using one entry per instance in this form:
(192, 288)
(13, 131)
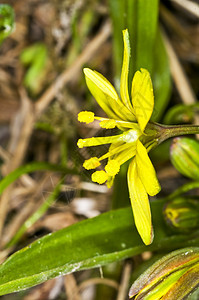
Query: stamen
(122, 157)
(112, 168)
(91, 163)
(117, 149)
(108, 124)
(80, 143)
(86, 117)
(96, 141)
(99, 177)
(110, 181)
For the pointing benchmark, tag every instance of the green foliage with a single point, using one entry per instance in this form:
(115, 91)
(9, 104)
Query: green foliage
(35, 216)
(141, 19)
(181, 113)
(35, 57)
(147, 51)
(31, 167)
(7, 22)
(87, 244)
(161, 78)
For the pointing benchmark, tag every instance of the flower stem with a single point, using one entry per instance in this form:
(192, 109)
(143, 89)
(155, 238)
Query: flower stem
(168, 131)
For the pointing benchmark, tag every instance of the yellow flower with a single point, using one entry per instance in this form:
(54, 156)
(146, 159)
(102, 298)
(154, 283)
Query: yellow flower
(137, 138)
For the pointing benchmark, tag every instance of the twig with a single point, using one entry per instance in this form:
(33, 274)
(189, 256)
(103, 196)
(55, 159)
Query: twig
(106, 281)
(17, 149)
(182, 83)
(21, 132)
(73, 70)
(26, 211)
(176, 27)
(71, 287)
(189, 6)
(122, 292)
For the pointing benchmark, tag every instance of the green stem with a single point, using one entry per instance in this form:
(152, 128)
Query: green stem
(181, 190)
(168, 131)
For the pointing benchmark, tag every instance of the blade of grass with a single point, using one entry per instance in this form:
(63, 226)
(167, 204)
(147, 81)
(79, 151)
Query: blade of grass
(161, 78)
(35, 216)
(118, 15)
(91, 243)
(28, 168)
(147, 23)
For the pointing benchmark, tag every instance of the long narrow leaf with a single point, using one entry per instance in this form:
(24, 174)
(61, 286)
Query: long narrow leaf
(35, 216)
(31, 167)
(147, 23)
(161, 78)
(109, 237)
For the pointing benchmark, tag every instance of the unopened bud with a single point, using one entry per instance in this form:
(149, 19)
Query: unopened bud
(174, 276)
(182, 214)
(185, 156)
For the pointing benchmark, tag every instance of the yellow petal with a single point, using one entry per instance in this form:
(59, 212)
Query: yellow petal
(106, 96)
(146, 171)
(142, 97)
(125, 71)
(140, 204)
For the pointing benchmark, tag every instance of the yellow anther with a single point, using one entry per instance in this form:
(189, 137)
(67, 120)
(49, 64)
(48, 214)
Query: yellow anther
(112, 168)
(91, 163)
(80, 143)
(99, 177)
(86, 117)
(108, 124)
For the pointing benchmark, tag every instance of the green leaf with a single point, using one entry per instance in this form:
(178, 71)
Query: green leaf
(91, 243)
(147, 51)
(31, 167)
(180, 113)
(147, 23)
(6, 21)
(36, 57)
(161, 78)
(147, 48)
(35, 216)
(118, 13)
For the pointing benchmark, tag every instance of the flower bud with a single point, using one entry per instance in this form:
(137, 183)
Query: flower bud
(182, 214)
(184, 154)
(174, 276)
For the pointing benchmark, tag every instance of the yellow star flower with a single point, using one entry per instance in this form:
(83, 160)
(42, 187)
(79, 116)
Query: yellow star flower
(131, 117)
